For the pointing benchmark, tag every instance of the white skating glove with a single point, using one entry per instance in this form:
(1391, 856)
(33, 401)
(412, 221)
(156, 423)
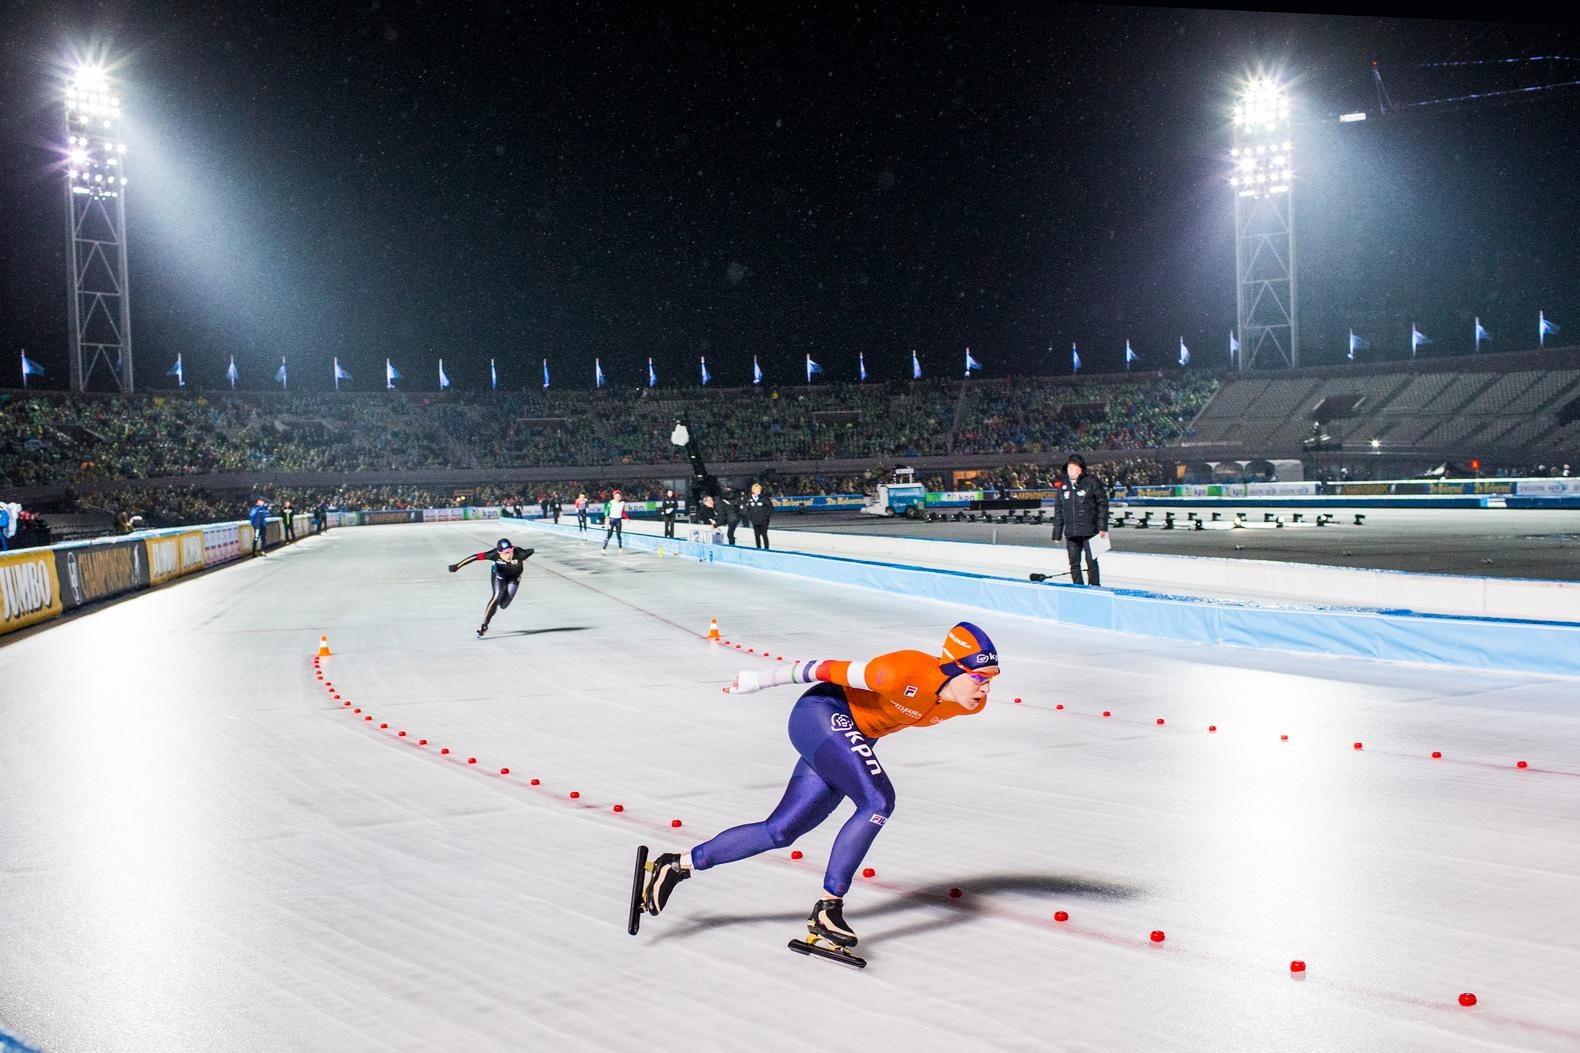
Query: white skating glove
(746, 682)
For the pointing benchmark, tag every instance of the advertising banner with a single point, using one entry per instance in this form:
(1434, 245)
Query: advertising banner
(393, 515)
(164, 558)
(99, 571)
(820, 502)
(1281, 489)
(172, 555)
(441, 515)
(492, 512)
(29, 589)
(1547, 487)
(222, 543)
(948, 498)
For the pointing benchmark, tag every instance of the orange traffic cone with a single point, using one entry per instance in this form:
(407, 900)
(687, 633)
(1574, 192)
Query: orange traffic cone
(713, 628)
(323, 647)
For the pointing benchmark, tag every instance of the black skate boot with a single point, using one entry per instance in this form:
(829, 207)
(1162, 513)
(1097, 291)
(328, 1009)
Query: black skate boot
(663, 874)
(827, 922)
(481, 629)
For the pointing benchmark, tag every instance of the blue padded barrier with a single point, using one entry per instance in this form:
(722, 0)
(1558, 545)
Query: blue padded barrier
(1544, 647)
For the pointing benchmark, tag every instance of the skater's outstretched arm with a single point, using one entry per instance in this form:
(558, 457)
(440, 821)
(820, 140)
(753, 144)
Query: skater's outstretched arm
(862, 675)
(470, 559)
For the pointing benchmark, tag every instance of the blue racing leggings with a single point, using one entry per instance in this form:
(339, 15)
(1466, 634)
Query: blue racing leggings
(837, 761)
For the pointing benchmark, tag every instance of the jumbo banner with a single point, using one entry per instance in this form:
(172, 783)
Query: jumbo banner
(482, 513)
(98, 571)
(29, 589)
(172, 555)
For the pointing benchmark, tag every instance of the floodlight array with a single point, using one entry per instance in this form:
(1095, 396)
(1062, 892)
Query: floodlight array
(1262, 158)
(95, 156)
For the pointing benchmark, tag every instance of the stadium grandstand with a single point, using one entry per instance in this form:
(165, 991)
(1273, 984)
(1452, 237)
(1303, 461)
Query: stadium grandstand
(179, 457)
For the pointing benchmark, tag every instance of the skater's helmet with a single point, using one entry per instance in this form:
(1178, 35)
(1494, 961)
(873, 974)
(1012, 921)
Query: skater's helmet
(967, 649)
(504, 543)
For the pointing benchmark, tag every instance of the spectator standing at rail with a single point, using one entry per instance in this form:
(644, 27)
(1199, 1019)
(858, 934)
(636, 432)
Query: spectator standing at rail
(321, 516)
(259, 518)
(554, 508)
(667, 508)
(758, 511)
(288, 517)
(1080, 514)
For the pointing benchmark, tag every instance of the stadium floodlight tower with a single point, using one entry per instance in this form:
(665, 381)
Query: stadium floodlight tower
(1264, 226)
(100, 306)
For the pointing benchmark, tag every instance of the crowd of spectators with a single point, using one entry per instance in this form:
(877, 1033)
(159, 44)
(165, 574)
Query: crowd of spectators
(189, 504)
(53, 438)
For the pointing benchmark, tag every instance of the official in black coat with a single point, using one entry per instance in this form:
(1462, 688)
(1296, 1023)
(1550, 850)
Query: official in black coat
(732, 514)
(758, 511)
(1080, 514)
(667, 508)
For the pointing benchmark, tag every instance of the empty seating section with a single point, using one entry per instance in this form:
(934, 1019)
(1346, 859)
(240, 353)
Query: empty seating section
(1505, 413)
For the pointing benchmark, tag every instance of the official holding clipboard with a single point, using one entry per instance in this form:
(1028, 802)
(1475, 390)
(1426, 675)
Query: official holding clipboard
(1080, 516)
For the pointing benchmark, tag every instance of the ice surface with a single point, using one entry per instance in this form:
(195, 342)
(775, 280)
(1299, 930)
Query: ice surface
(203, 851)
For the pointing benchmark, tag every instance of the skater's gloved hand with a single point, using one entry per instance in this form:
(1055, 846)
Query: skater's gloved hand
(528, 553)
(454, 567)
(746, 682)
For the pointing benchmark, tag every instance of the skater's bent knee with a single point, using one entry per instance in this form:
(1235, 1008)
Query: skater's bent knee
(878, 802)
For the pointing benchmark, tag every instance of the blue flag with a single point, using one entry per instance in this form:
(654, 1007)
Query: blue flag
(231, 372)
(340, 374)
(30, 368)
(1481, 334)
(861, 364)
(493, 376)
(1357, 343)
(177, 372)
(391, 375)
(597, 373)
(1543, 327)
(705, 376)
(1418, 339)
(812, 369)
(757, 372)
(652, 377)
(545, 374)
(1184, 353)
(279, 374)
(444, 381)
(1130, 355)
(971, 363)
(916, 367)
(1075, 360)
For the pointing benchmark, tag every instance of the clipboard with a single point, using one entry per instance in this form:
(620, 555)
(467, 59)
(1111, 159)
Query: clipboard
(1097, 545)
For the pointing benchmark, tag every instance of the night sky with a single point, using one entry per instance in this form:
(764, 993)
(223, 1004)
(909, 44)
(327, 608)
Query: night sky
(568, 180)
